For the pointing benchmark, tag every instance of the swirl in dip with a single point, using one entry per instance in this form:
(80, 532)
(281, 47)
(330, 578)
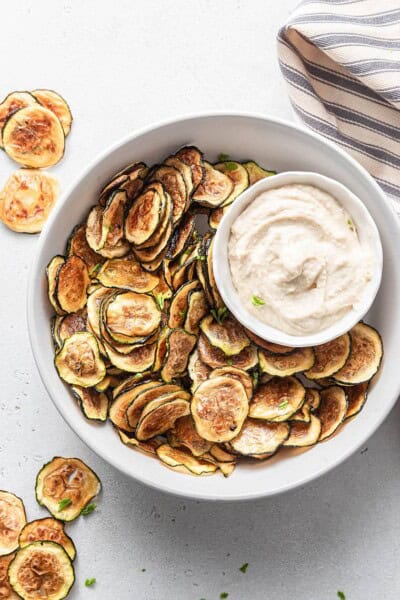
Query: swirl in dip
(296, 259)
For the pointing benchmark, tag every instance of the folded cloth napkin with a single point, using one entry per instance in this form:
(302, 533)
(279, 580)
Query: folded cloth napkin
(341, 60)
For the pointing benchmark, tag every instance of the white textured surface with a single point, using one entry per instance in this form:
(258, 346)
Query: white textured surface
(122, 65)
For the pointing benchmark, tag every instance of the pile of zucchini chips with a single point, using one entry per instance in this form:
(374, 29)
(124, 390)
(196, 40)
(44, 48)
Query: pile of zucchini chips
(143, 338)
(33, 128)
(36, 557)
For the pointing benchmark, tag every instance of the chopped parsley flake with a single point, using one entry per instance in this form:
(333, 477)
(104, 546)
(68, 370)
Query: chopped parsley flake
(94, 270)
(90, 582)
(341, 595)
(283, 404)
(223, 157)
(64, 503)
(350, 224)
(88, 509)
(256, 377)
(200, 257)
(223, 595)
(230, 166)
(257, 301)
(243, 568)
(220, 314)
(160, 300)
(229, 362)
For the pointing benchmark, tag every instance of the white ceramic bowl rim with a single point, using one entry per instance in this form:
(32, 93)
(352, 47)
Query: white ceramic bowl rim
(365, 225)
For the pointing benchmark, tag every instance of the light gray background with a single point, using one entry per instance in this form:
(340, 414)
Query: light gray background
(123, 64)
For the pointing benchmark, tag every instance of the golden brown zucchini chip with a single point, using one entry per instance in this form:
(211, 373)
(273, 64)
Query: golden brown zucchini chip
(77, 245)
(51, 274)
(197, 370)
(269, 346)
(129, 315)
(126, 273)
(182, 461)
(161, 349)
(112, 223)
(64, 327)
(181, 237)
(145, 215)
(27, 200)
(330, 357)
(218, 302)
(11, 103)
(34, 137)
(356, 398)
(235, 373)
(219, 407)
(228, 336)
(174, 184)
(93, 403)
(313, 398)
(12, 520)
(214, 357)
(332, 410)
(66, 479)
(56, 103)
(214, 189)
(138, 360)
(147, 447)
(304, 434)
(47, 530)
(278, 399)
(283, 365)
(365, 356)
(41, 570)
(180, 302)
(237, 174)
(186, 172)
(118, 408)
(72, 281)
(94, 232)
(93, 307)
(180, 344)
(130, 179)
(142, 395)
(197, 309)
(255, 172)
(5, 587)
(79, 362)
(160, 415)
(191, 156)
(303, 415)
(216, 215)
(185, 434)
(259, 438)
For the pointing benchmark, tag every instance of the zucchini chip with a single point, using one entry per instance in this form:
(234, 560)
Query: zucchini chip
(214, 357)
(235, 373)
(94, 235)
(143, 395)
(56, 103)
(126, 273)
(51, 274)
(33, 137)
(313, 398)
(112, 223)
(269, 346)
(186, 172)
(94, 303)
(219, 408)
(161, 349)
(331, 411)
(228, 336)
(120, 405)
(41, 570)
(145, 215)
(181, 237)
(278, 399)
(66, 479)
(66, 326)
(182, 461)
(255, 172)
(180, 344)
(283, 365)
(180, 303)
(214, 189)
(12, 520)
(93, 403)
(304, 434)
(129, 315)
(303, 415)
(356, 398)
(47, 530)
(191, 156)
(238, 175)
(218, 302)
(6, 591)
(79, 362)
(72, 281)
(77, 244)
(160, 415)
(152, 256)
(147, 447)
(138, 360)
(365, 356)
(185, 434)
(330, 357)
(259, 438)
(196, 310)
(198, 371)
(216, 215)
(11, 103)
(27, 200)
(174, 184)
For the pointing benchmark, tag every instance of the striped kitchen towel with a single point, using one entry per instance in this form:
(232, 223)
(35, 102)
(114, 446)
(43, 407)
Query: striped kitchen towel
(341, 60)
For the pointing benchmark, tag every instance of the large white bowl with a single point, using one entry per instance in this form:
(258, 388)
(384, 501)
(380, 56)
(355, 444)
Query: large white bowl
(276, 145)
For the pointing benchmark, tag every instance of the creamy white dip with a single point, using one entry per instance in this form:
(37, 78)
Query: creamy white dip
(296, 259)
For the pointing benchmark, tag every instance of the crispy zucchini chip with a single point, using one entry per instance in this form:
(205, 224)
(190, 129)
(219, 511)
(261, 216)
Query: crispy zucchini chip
(161, 349)
(365, 356)
(303, 415)
(79, 362)
(5, 587)
(228, 336)
(11, 103)
(186, 172)
(66, 479)
(130, 179)
(214, 189)
(118, 409)
(356, 398)
(126, 273)
(181, 237)
(41, 570)
(198, 370)
(180, 344)
(269, 346)
(180, 303)
(27, 200)
(144, 217)
(313, 398)
(235, 373)
(34, 137)
(255, 172)
(160, 415)
(214, 357)
(283, 365)
(191, 156)
(77, 244)
(238, 175)
(331, 411)
(12, 520)
(221, 454)
(112, 223)
(129, 315)
(219, 407)
(93, 403)
(57, 104)
(196, 310)
(47, 530)
(147, 447)
(330, 357)
(258, 437)
(142, 397)
(304, 434)
(138, 360)
(94, 232)
(278, 399)
(51, 274)
(94, 303)
(218, 302)
(216, 215)
(72, 281)
(174, 184)
(181, 460)
(185, 434)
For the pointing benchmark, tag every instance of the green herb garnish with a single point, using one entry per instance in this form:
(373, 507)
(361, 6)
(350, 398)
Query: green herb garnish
(283, 404)
(88, 509)
(220, 314)
(223, 595)
(229, 362)
(257, 301)
(182, 313)
(230, 166)
(94, 270)
(201, 257)
(243, 568)
(341, 595)
(160, 300)
(90, 582)
(137, 375)
(222, 157)
(350, 224)
(143, 570)
(64, 503)
(256, 377)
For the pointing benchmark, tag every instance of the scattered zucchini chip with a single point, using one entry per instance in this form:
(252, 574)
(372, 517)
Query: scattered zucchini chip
(57, 104)
(278, 399)
(331, 411)
(5, 587)
(197, 309)
(198, 370)
(47, 530)
(365, 356)
(219, 408)
(174, 184)
(77, 244)
(269, 346)
(51, 274)
(126, 273)
(180, 303)
(143, 395)
(34, 137)
(93, 403)
(191, 156)
(160, 415)
(27, 200)
(11, 103)
(330, 357)
(72, 281)
(238, 175)
(235, 373)
(255, 172)
(259, 437)
(64, 479)
(180, 344)
(181, 460)
(129, 315)
(41, 570)
(214, 357)
(145, 215)
(181, 237)
(228, 336)
(283, 365)
(185, 434)
(12, 520)
(356, 398)
(304, 434)
(215, 188)
(138, 360)
(79, 362)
